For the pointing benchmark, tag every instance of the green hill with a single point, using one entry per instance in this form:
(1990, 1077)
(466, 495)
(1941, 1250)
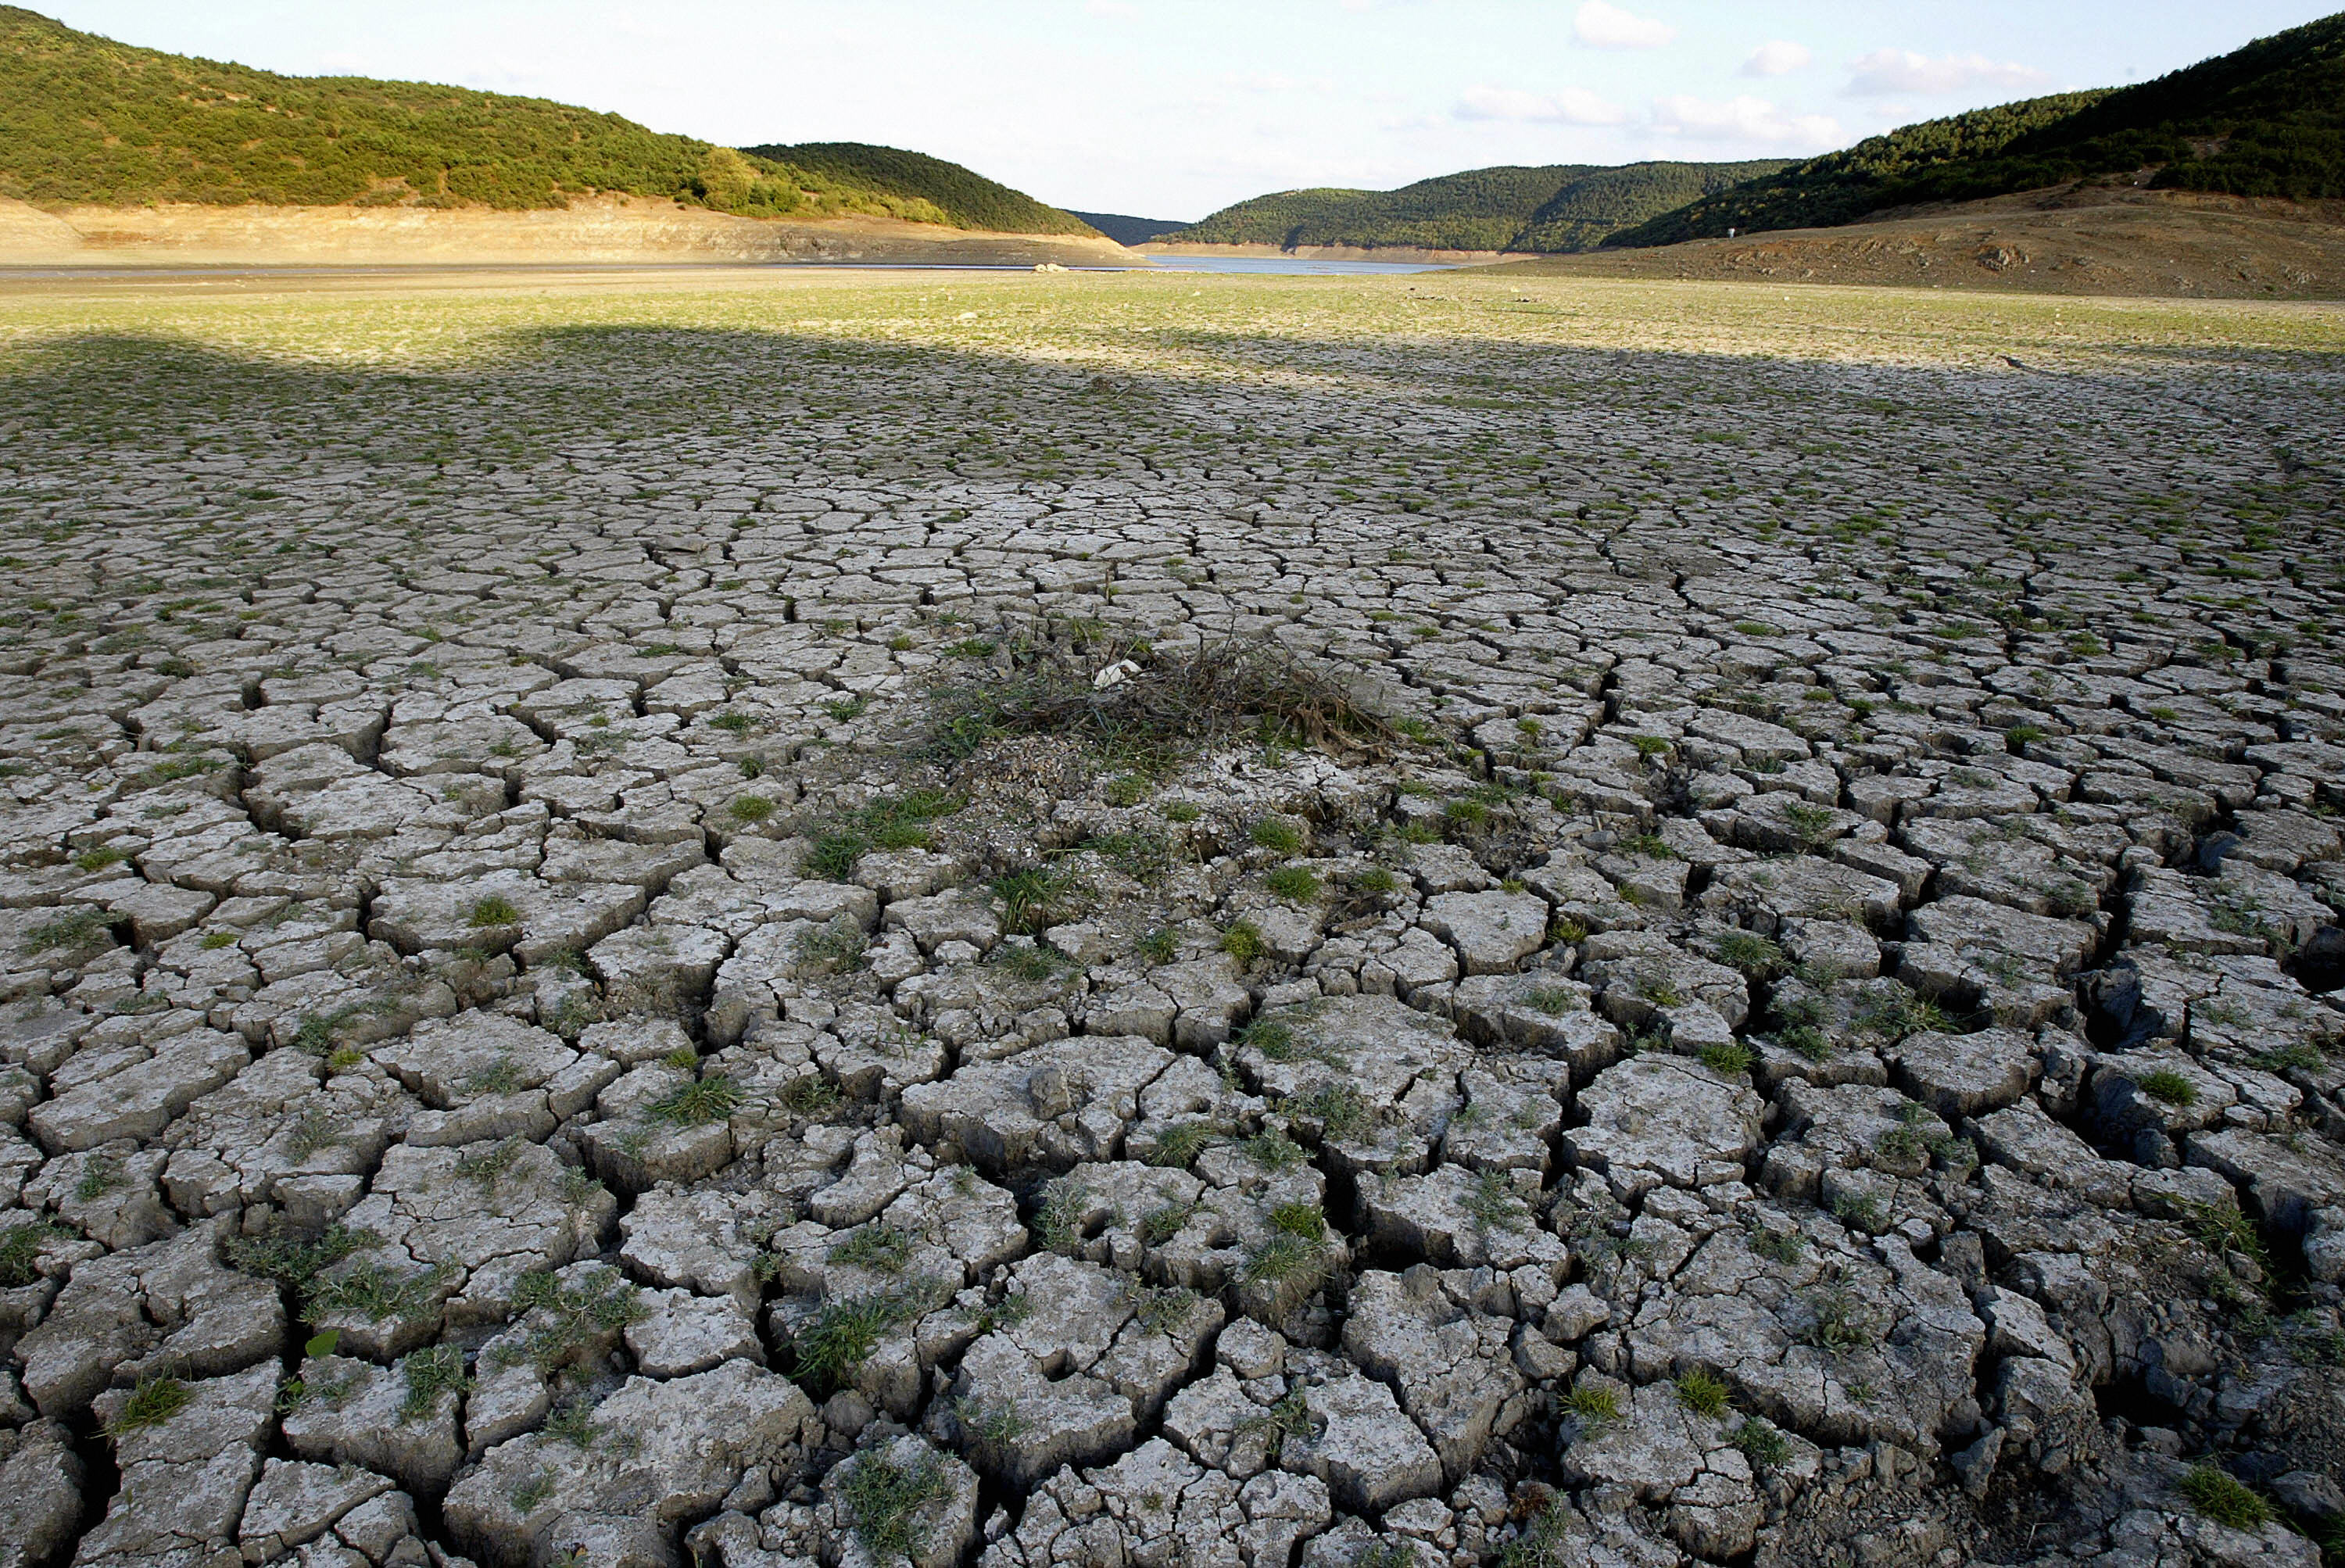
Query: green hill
(2265, 120)
(1559, 206)
(83, 119)
(967, 199)
(1126, 230)
(1589, 209)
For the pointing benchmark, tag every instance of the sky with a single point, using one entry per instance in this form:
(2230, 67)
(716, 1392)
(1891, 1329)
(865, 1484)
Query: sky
(1173, 109)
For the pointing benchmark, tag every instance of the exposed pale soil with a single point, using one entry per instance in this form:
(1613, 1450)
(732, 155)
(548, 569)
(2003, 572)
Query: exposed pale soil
(2098, 240)
(528, 1039)
(600, 230)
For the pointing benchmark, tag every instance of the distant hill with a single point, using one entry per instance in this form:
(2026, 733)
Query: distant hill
(1556, 207)
(2267, 120)
(1128, 231)
(1480, 209)
(1588, 210)
(967, 199)
(85, 120)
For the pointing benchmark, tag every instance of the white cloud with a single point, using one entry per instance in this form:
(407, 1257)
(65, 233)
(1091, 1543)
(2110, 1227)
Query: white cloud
(1570, 107)
(1743, 119)
(1604, 27)
(1777, 58)
(1888, 73)
(1120, 10)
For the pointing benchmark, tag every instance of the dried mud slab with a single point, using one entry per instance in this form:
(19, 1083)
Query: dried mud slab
(1028, 921)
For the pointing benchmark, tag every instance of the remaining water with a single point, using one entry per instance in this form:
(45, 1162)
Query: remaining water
(225, 272)
(1311, 266)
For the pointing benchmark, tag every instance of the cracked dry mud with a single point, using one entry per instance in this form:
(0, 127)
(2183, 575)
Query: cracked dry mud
(571, 999)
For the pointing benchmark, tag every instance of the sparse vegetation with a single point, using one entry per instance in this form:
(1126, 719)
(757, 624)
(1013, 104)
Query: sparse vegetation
(1702, 1392)
(492, 912)
(152, 1403)
(829, 1346)
(428, 1374)
(1178, 704)
(882, 1496)
(696, 1103)
(1593, 1404)
(2224, 1499)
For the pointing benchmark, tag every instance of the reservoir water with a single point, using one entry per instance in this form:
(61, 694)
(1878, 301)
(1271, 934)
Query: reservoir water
(1301, 265)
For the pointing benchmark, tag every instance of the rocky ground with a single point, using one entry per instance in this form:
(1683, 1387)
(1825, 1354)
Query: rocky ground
(1154, 921)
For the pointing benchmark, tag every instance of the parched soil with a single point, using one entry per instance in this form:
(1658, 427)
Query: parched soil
(767, 918)
(2097, 241)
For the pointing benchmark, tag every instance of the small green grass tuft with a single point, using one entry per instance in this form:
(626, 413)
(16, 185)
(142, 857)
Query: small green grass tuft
(1159, 1226)
(812, 1096)
(370, 1291)
(1494, 1205)
(1702, 1392)
(1276, 835)
(1338, 1108)
(1726, 1058)
(428, 1374)
(493, 911)
(880, 1247)
(1760, 1444)
(20, 1252)
(1034, 966)
(1028, 895)
(1057, 1224)
(1295, 884)
(74, 932)
(1307, 1220)
(2169, 1087)
(883, 1495)
(704, 1100)
(1243, 940)
(1837, 1325)
(1290, 1267)
(153, 1402)
(840, 1338)
(1273, 1151)
(2224, 1499)
(1753, 954)
(1179, 1145)
(1593, 1404)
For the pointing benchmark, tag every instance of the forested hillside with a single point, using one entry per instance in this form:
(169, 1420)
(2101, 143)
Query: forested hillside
(2265, 120)
(85, 120)
(1556, 207)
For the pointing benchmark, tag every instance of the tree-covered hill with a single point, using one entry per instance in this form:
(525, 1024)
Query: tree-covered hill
(1589, 209)
(967, 199)
(1125, 230)
(1556, 206)
(2265, 120)
(85, 120)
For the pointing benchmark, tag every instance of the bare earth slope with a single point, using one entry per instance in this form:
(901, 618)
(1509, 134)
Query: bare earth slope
(2101, 240)
(602, 229)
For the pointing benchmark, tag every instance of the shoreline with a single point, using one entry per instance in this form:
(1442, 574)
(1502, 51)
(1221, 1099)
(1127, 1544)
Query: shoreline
(606, 230)
(1342, 253)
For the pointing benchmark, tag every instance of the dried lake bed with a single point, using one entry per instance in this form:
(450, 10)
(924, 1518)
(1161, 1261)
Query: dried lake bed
(784, 917)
